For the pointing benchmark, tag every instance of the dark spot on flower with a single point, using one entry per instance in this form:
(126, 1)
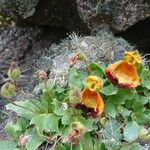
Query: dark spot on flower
(87, 111)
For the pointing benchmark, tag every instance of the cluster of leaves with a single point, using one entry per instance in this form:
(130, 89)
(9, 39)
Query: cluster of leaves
(49, 116)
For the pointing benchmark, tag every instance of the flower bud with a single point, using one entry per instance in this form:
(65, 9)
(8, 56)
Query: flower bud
(78, 127)
(75, 95)
(76, 130)
(103, 120)
(73, 60)
(23, 140)
(14, 71)
(81, 56)
(7, 89)
(42, 75)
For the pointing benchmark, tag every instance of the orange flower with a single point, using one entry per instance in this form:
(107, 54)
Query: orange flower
(123, 73)
(90, 97)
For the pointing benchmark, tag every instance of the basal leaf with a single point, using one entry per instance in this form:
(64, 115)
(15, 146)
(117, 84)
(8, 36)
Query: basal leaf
(34, 140)
(74, 79)
(134, 146)
(143, 117)
(67, 117)
(87, 123)
(122, 96)
(7, 145)
(96, 70)
(46, 122)
(131, 131)
(25, 113)
(11, 129)
(60, 147)
(111, 130)
(124, 112)
(58, 107)
(110, 109)
(46, 101)
(109, 90)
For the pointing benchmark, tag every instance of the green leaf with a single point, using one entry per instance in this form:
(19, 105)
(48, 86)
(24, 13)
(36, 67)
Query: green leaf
(109, 90)
(46, 122)
(74, 79)
(110, 109)
(143, 117)
(22, 111)
(87, 123)
(122, 95)
(22, 123)
(99, 145)
(41, 86)
(66, 118)
(34, 140)
(146, 83)
(12, 129)
(145, 77)
(124, 112)
(138, 106)
(112, 130)
(131, 131)
(134, 146)
(58, 107)
(83, 75)
(96, 70)
(46, 101)
(60, 147)
(7, 145)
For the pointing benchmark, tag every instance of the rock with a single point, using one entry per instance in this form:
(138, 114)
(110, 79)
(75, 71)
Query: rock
(118, 14)
(22, 8)
(57, 13)
(79, 15)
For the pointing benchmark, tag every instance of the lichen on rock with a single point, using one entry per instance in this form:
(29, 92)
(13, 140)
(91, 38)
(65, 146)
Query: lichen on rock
(101, 47)
(119, 14)
(25, 8)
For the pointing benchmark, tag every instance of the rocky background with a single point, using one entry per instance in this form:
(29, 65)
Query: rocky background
(45, 33)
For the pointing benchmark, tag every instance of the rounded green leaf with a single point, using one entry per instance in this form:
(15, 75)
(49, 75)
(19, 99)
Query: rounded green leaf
(131, 131)
(109, 90)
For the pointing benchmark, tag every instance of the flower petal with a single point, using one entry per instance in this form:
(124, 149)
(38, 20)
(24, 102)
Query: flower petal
(132, 57)
(122, 74)
(92, 99)
(93, 82)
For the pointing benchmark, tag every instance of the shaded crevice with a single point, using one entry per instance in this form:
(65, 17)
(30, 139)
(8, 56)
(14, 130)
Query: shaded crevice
(59, 13)
(138, 35)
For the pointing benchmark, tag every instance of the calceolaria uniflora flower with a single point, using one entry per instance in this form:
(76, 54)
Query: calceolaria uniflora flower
(91, 102)
(123, 73)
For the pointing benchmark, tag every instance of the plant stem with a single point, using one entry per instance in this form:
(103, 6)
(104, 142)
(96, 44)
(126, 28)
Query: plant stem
(26, 96)
(11, 100)
(50, 95)
(89, 71)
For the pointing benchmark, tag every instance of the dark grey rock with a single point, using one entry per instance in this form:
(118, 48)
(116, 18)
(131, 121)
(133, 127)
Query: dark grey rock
(118, 14)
